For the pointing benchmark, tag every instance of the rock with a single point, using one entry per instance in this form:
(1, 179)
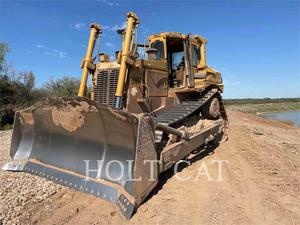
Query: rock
(66, 196)
(257, 131)
(39, 198)
(113, 213)
(22, 190)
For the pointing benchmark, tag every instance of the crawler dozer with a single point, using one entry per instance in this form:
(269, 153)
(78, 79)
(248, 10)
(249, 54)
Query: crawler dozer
(151, 107)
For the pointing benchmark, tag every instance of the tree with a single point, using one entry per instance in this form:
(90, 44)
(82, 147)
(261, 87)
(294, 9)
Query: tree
(27, 80)
(16, 89)
(4, 49)
(64, 87)
(16, 94)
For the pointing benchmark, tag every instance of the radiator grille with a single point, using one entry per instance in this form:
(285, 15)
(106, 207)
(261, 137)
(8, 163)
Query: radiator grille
(106, 86)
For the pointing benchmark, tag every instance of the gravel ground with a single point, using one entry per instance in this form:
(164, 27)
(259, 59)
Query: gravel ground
(261, 186)
(20, 192)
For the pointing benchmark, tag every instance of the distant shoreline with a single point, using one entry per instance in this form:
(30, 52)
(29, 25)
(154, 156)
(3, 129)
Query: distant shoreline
(259, 108)
(291, 110)
(290, 117)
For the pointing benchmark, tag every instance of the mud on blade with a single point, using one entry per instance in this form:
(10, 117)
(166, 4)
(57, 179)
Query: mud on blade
(86, 146)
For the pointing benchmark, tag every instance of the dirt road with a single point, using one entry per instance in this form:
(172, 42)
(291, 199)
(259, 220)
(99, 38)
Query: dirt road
(261, 185)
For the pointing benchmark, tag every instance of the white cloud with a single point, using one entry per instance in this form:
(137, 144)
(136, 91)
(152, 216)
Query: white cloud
(57, 53)
(78, 26)
(60, 54)
(105, 27)
(52, 52)
(39, 46)
(115, 27)
(110, 3)
(110, 45)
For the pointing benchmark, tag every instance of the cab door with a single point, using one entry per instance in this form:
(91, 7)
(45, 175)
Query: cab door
(195, 56)
(156, 72)
(156, 77)
(192, 58)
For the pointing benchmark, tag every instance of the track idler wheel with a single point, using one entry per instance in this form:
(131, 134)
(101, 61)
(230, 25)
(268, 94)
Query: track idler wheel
(212, 109)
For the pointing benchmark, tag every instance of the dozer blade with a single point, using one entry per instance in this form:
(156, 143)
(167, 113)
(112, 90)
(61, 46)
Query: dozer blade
(86, 146)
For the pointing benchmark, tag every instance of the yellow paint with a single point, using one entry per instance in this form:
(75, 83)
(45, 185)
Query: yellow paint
(202, 42)
(132, 21)
(95, 31)
(210, 76)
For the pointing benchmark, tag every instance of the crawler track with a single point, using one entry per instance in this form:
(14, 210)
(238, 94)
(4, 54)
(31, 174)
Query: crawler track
(190, 106)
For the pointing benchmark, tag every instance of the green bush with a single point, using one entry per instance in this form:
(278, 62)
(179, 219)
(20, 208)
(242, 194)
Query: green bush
(15, 94)
(65, 87)
(18, 91)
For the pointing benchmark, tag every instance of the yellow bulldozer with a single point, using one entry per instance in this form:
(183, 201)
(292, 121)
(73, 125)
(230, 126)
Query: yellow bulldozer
(151, 107)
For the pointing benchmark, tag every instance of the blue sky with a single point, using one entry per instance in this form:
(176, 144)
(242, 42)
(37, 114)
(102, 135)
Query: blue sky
(255, 44)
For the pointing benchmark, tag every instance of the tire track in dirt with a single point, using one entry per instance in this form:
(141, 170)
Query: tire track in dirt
(261, 185)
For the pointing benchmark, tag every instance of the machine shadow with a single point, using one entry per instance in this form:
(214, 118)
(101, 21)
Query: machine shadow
(194, 157)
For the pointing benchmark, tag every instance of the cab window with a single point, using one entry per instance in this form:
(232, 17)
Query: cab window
(159, 45)
(177, 60)
(195, 55)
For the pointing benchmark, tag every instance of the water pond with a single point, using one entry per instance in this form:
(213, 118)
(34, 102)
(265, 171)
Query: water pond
(293, 116)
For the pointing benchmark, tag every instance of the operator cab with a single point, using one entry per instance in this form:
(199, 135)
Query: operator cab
(175, 48)
(176, 59)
